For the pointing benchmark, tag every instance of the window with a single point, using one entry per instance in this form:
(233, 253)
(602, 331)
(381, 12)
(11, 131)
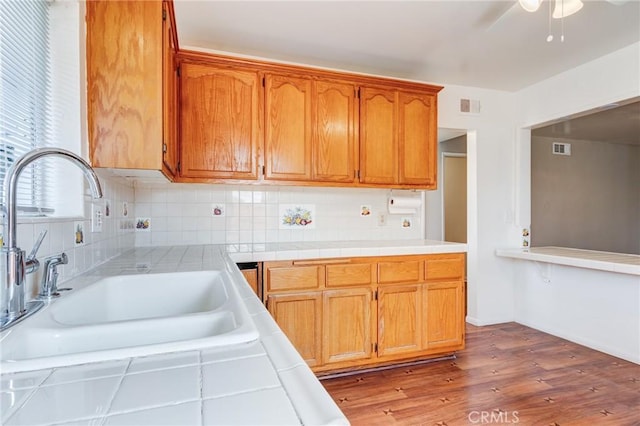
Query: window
(25, 97)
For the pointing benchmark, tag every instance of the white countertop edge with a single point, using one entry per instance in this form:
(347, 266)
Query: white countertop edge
(571, 257)
(337, 249)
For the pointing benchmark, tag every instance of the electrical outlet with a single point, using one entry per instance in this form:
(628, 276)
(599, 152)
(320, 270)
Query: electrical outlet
(382, 219)
(96, 218)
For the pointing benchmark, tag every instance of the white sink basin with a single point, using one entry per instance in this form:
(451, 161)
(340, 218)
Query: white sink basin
(134, 315)
(132, 297)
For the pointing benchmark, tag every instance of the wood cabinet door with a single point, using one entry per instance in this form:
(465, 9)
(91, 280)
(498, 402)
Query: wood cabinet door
(288, 127)
(444, 319)
(400, 319)
(347, 325)
(334, 131)
(219, 123)
(378, 136)
(124, 84)
(170, 92)
(300, 318)
(417, 146)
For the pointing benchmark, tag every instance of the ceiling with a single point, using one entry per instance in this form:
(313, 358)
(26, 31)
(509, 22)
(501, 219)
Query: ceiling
(489, 44)
(613, 124)
(480, 43)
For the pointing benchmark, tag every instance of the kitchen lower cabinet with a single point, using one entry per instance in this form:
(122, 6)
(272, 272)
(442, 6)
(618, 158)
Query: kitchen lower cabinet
(299, 315)
(444, 309)
(399, 319)
(351, 313)
(347, 325)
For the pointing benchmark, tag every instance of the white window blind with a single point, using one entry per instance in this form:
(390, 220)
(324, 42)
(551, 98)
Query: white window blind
(25, 97)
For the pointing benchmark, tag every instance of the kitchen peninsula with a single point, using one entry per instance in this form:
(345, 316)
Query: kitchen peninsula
(262, 382)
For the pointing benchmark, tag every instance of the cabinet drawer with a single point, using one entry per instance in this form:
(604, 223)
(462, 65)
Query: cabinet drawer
(294, 278)
(444, 268)
(351, 274)
(398, 272)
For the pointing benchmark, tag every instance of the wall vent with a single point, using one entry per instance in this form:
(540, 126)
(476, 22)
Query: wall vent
(561, 148)
(470, 106)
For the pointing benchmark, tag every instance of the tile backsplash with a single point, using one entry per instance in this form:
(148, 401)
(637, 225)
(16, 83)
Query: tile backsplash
(181, 214)
(116, 237)
(177, 214)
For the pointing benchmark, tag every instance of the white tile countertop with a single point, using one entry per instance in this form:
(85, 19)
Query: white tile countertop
(590, 259)
(331, 249)
(261, 382)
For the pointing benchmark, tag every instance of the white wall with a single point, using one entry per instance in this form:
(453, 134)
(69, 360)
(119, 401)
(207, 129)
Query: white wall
(491, 197)
(588, 200)
(576, 297)
(597, 309)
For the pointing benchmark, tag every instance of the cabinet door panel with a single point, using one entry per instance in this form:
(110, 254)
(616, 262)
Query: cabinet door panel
(170, 90)
(300, 318)
(399, 319)
(288, 128)
(294, 278)
(444, 322)
(124, 84)
(347, 275)
(444, 267)
(219, 122)
(378, 136)
(346, 325)
(334, 132)
(399, 272)
(417, 135)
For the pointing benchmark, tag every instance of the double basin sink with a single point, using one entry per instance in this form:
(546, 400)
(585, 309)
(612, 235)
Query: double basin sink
(131, 315)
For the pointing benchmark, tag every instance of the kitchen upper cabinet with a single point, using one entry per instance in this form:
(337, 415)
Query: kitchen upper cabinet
(170, 90)
(311, 133)
(334, 132)
(249, 120)
(417, 139)
(130, 86)
(398, 137)
(378, 136)
(288, 128)
(219, 122)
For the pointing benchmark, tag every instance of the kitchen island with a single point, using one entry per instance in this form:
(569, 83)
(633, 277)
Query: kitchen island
(260, 382)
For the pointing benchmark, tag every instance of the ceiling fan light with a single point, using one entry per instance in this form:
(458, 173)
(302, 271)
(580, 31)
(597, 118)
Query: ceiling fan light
(566, 8)
(530, 5)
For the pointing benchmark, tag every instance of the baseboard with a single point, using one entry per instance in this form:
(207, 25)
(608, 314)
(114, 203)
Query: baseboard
(635, 358)
(479, 323)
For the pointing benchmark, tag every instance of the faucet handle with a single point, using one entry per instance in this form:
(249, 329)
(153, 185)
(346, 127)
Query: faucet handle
(49, 285)
(37, 245)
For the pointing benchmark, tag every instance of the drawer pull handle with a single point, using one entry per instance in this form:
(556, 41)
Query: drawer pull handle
(320, 262)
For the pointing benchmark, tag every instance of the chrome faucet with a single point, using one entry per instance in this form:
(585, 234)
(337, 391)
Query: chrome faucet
(14, 267)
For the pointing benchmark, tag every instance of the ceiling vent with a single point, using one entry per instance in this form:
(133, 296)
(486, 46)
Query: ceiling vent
(561, 148)
(470, 106)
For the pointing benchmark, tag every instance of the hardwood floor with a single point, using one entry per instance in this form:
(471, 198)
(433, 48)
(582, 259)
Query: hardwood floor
(508, 374)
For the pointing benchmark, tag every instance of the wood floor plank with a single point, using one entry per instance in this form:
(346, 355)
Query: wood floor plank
(507, 374)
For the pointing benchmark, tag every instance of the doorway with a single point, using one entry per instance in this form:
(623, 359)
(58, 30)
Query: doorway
(454, 173)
